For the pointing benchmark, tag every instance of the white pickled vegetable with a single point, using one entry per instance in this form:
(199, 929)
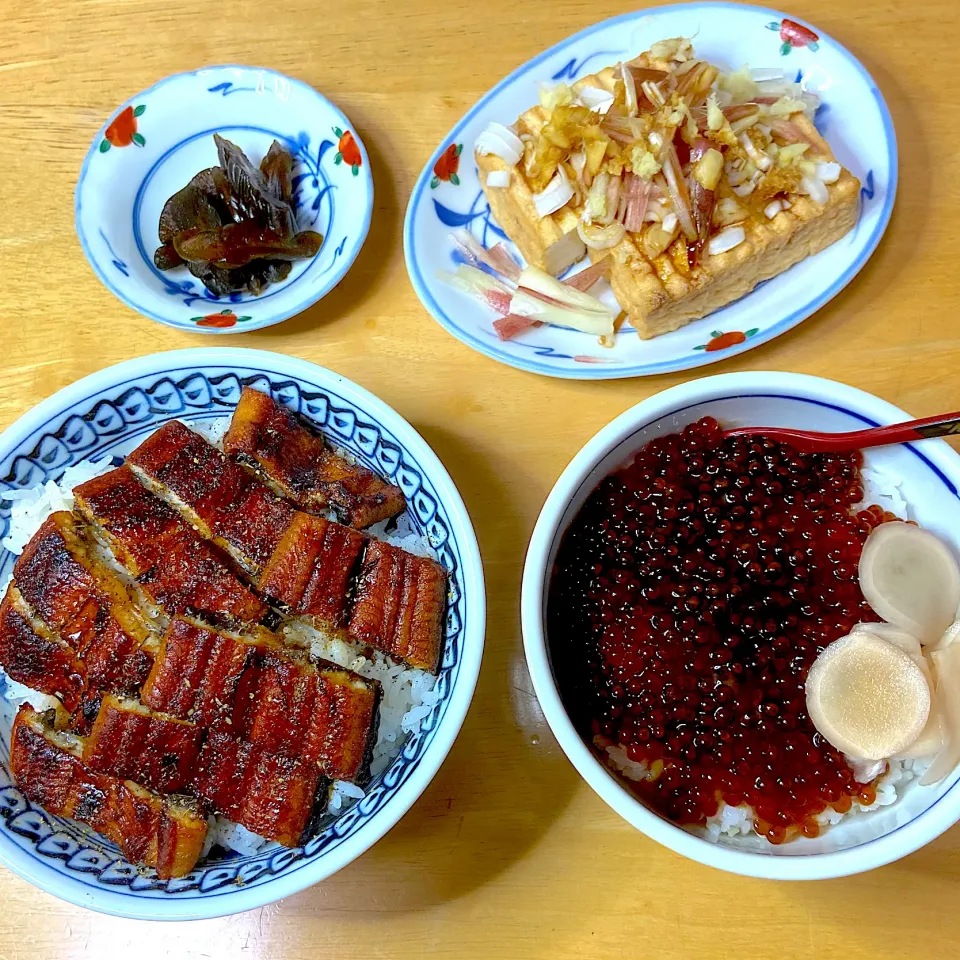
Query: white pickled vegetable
(726, 240)
(911, 579)
(867, 697)
(555, 195)
(500, 141)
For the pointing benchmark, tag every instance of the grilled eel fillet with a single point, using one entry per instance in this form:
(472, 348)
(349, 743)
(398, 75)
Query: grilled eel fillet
(302, 465)
(276, 797)
(132, 742)
(175, 568)
(400, 604)
(67, 624)
(166, 833)
(263, 693)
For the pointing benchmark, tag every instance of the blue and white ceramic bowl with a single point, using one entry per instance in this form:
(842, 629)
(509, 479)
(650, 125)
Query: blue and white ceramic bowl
(108, 414)
(159, 139)
(853, 117)
(928, 474)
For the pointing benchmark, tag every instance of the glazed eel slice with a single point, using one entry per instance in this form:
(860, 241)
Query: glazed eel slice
(400, 599)
(166, 833)
(268, 695)
(174, 567)
(276, 797)
(133, 742)
(301, 562)
(226, 503)
(302, 465)
(69, 627)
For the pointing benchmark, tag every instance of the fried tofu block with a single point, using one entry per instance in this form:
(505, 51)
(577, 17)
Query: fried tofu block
(275, 797)
(166, 833)
(664, 294)
(197, 670)
(311, 570)
(132, 742)
(225, 502)
(174, 567)
(400, 605)
(303, 466)
(32, 655)
(324, 716)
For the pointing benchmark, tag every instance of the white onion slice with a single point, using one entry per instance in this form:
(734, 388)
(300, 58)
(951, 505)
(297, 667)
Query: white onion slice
(770, 210)
(595, 98)
(500, 141)
(762, 74)
(630, 89)
(911, 579)
(498, 178)
(815, 189)
(867, 697)
(726, 240)
(557, 193)
(601, 238)
(828, 172)
(670, 222)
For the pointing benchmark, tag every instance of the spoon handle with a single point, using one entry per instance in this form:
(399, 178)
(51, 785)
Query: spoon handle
(945, 424)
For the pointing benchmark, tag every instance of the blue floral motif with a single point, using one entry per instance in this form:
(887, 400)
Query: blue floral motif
(573, 67)
(92, 429)
(114, 259)
(226, 88)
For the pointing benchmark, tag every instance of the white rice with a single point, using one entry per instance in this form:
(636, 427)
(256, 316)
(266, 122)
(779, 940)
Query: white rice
(882, 489)
(409, 695)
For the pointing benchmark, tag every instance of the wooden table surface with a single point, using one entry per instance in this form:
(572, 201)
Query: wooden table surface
(508, 853)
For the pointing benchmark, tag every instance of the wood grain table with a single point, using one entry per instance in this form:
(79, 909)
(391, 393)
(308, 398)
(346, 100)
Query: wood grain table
(508, 854)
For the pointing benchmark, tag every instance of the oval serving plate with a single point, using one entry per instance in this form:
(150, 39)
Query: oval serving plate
(159, 139)
(108, 414)
(853, 117)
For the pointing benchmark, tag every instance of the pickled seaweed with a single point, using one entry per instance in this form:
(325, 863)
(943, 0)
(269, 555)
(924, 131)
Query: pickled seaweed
(234, 226)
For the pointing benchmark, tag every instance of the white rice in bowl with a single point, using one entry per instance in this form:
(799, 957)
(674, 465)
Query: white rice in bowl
(409, 695)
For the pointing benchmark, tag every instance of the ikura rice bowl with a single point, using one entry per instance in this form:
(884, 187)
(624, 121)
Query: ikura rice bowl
(691, 594)
(408, 694)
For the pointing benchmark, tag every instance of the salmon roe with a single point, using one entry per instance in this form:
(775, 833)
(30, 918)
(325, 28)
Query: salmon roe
(691, 594)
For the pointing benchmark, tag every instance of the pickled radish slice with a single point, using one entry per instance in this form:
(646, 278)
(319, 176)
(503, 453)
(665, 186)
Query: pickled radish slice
(947, 665)
(932, 738)
(950, 635)
(911, 579)
(907, 642)
(867, 697)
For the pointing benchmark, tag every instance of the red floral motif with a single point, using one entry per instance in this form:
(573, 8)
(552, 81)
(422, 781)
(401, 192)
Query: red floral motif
(123, 129)
(347, 150)
(794, 34)
(447, 166)
(722, 341)
(226, 318)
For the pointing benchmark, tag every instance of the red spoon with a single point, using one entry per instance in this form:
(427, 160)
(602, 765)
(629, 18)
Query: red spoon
(809, 441)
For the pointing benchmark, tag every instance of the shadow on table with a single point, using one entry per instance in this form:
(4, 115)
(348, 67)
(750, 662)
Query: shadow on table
(894, 904)
(376, 254)
(505, 781)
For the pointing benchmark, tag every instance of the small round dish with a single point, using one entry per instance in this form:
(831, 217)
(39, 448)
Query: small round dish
(853, 117)
(110, 413)
(159, 139)
(930, 476)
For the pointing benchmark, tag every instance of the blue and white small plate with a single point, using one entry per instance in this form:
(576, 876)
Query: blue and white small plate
(159, 139)
(108, 414)
(853, 117)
